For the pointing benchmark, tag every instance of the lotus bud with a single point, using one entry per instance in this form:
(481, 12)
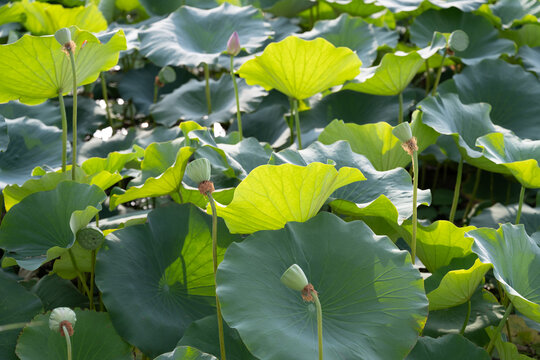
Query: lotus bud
(199, 171)
(90, 237)
(63, 36)
(167, 75)
(458, 41)
(62, 317)
(403, 132)
(294, 278)
(233, 45)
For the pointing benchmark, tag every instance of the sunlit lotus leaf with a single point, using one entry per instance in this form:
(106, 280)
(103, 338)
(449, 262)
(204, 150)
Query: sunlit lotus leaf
(261, 203)
(11, 12)
(192, 36)
(447, 347)
(367, 287)
(185, 353)
(515, 258)
(359, 8)
(290, 67)
(354, 33)
(521, 157)
(510, 10)
(498, 214)
(527, 35)
(94, 337)
(410, 5)
(484, 38)
(35, 68)
(530, 58)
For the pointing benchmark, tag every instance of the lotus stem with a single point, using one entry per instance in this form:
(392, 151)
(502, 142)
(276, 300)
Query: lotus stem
(290, 120)
(457, 189)
(79, 275)
(428, 78)
(68, 342)
(106, 98)
(74, 126)
(507, 312)
(215, 260)
(319, 323)
(93, 271)
(520, 206)
(415, 210)
(13, 326)
(467, 317)
(238, 116)
(473, 195)
(64, 130)
(438, 78)
(297, 120)
(400, 114)
(207, 79)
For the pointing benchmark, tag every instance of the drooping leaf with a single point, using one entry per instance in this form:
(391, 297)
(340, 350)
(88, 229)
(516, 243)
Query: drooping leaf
(261, 203)
(290, 67)
(447, 347)
(368, 291)
(185, 353)
(35, 68)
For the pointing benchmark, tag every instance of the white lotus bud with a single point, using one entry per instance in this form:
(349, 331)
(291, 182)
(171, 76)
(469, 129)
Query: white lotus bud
(294, 278)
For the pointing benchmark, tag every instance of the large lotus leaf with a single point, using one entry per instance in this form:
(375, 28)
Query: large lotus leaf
(512, 96)
(359, 8)
(185, 353)
(527, 35)
(390, 77)
(168, 183)
(161, 7)
(37, 229)
(188, 102)
(484, 40)
(16, 305)
(47, 112)
(192, 36)
(531, 58)
(261, 203)
(376, 141)
(447, 347)
(354, 33)
(368, 290)
(397, 6)
(175, 284)
(42, 18)
(290, 67)
(500, 214)
(35, 68)
(521, 157)
(203, 335)
(516, 260)
(94, 337)
(510, 10)
(31, 143)
(457, 286)
(369, 197)
(57, 292)
(11, 12)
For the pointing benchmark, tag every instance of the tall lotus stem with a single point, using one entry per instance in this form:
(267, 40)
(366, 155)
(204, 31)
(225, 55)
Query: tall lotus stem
(64, 130)
(63, 320)
(74, 126)
(507, 312)
(457, 189)
(520, 206)
(439, 73)
(207, 90)
(297, 121)
(400, 114)
(467, 317)
(106, 98)
(233, 49)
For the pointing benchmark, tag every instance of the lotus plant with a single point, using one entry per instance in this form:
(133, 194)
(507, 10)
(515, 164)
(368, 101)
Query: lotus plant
(63, 320)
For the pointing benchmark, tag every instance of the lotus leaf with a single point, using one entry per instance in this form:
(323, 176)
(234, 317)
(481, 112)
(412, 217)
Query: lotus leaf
(506, 350)
(11, 12)
(35, 68)
(282, 7)
(368, 290)
(47, 112)
(510, 10)
(530, 58)
(260, 203)
(500, 214)
(57, 292)
(290, 67)
(355, 7)
(447, 347)
(515, 258)
(185, 353)
(161, 7)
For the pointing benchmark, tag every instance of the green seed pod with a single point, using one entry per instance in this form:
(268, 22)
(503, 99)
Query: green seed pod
(199, 170)
(61, 315)
(294, 278)
(63, 36)
(90, 237)
(403, 132)
(458, 41)
(167, 75)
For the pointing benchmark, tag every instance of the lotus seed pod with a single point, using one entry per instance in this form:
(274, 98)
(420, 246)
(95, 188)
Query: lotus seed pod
(90, 237)
(403, 132)
(458, 41)
(233, 45)
(294, 278)
(199, 170)
(167, 75)
(63, 36)
(62, 316)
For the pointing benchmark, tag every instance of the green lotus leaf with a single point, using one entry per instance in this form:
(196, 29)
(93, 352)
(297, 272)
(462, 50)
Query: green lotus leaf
(290, 67)
(447, 347)
(368, 290)
(47, 112)
(384, 194)
(161, 7)
(510, 10)
(189, 102)
(282, 7)
(38, 229)
(526, 35)
(260, 203)
(31, 143)
(114, 162)
(512, 96)
(521, 157)
(355, 7)
(530, 58)
(176, 287)
(506, 350)
(17, 305)
(203, 335)
(457, 286)
(57, 292)
(484, 39)
(376, 141)
(192, 36)
(11, 12)
(63, 266)
(185, 353)
(35, 68)
(354, 33)
(515, 258)
(390, 77)
(94, 338)
(500, 214)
